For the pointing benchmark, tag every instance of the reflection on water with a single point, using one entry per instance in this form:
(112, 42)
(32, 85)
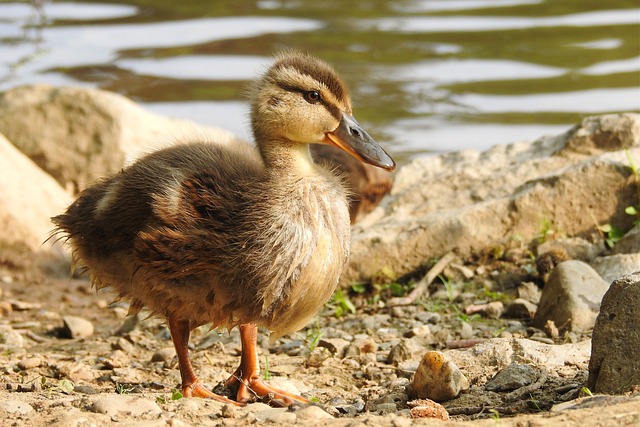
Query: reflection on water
(426, 75)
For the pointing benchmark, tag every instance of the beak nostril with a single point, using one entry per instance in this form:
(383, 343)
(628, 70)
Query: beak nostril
(354, 132)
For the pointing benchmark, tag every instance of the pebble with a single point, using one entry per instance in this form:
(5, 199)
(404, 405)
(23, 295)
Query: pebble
(466, 331)
(529, 291)
(163, 354)
(337, 346)
(29, 363)
(317, 357)
(277, 416)
(437, 378)
(427, 408)
(520, 308)
(124, 345)
(492, 310)
(10, 338)
(15, 407)
(580, 289)
(114, 405)
(404, 350)
(513, 377)
(76, 327)
(311, 413)
(428, 317)
(417, 331)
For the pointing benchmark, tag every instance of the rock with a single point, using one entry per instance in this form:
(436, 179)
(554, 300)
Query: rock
(614, 266)
(10, 338)
(163, 354)
(406, 349)
(79, 134)
(29, 198)
(437, 378)
(76, 327)
(29, 363)
(615, 356)
(492, 310)
(15, 407)
(630, 242)
(466, 331)
(426, 408)
(579, 289)
(575, 248)
(529, 291)
(513, 377)
(337, 346)
(317, 357)
(470, 201)
(311, 413)
(278, 416)
(419, 331)
(115, 405)
(124, 345)
(520, 309)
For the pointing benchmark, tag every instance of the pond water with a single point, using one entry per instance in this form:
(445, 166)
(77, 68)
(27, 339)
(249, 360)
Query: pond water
(426, 75)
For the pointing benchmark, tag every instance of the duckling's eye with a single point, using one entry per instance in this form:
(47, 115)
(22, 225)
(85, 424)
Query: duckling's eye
(312, 96)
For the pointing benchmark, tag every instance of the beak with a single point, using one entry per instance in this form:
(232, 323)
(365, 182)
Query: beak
(350, 137)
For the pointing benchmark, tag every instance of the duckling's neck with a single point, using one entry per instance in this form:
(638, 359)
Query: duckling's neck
(287, 158)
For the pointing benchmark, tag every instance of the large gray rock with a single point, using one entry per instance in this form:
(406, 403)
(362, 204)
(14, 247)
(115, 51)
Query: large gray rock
(29, 197)
(79, 134)
(615, 266)
(571, 297)
(615, 353)
(468, 201)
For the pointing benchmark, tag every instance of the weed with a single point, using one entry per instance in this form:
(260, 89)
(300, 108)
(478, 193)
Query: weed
(545, 230)
(176, 394)
(267, 375)
(584, 391)
(122, 388)
(313, 336)
(161, 400)
(448, 286)
(612, 234)
(341, 303)
(494, 414)
(464, 316)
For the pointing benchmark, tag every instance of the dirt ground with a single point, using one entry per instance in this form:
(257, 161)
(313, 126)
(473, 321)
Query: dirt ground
(61, 379)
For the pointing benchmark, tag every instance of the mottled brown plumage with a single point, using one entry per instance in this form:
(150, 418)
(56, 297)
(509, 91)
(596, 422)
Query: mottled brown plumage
(229, 234)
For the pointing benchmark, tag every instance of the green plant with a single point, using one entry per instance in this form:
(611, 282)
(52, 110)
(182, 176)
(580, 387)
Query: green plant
(161, 400)
(122, 388)
(584, 391)
(464, 316)
(448, 286)
(176, 394)
(545, 230)
(313, 336)
(266, 375)
(494, 414)
(341, 303)
(612, 234)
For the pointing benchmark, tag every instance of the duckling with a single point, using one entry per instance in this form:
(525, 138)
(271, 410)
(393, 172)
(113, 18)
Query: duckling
(232, 235)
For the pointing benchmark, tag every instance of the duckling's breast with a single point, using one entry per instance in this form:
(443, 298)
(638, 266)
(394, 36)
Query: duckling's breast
(309, 234)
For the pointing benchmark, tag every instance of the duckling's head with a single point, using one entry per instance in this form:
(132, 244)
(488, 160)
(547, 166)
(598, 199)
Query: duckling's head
(301, 100)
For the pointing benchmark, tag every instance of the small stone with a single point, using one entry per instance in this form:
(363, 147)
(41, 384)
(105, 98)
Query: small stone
(114, 405)
(492, 310)
(520, 308)
(337, 346)
(312, 413)
(406, 349)
(580, 289)
(614, 366)
(163, 355)
(24, 305)
(437, 378)
(466, 331)
(529, 291)
(124, 345)
(15, 407)
(5, 308)
(427, 408)
(278, 416)
(10, 337)
(76, 327)
(612, 267)
(30, 363)
(513, 377)
(317, 357)
(420, 330)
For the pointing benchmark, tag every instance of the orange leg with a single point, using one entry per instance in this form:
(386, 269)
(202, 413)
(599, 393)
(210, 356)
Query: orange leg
(191, 386)
(247, 377)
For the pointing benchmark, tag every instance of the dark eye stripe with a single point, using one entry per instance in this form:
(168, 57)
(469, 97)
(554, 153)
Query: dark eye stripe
(332, 109)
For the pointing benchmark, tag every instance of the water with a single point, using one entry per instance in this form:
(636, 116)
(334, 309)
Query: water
(426, 75)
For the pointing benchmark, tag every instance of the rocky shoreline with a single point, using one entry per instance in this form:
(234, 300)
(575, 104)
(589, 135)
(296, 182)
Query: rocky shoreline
(529, 237)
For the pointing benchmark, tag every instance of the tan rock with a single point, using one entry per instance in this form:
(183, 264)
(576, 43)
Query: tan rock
(29, 198)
